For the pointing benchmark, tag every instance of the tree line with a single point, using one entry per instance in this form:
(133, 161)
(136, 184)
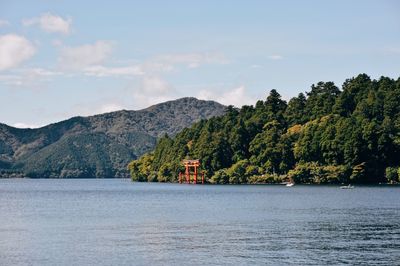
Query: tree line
(327, 135)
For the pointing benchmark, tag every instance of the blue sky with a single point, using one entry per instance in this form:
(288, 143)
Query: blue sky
(60, 59)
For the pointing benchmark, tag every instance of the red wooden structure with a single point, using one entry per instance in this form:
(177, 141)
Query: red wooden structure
(189, 165)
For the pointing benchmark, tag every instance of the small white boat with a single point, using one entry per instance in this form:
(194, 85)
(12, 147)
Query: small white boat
(290, 184)
(347, 187)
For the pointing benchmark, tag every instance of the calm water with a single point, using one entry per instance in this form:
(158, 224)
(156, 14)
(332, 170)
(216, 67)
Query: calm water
(116, 222)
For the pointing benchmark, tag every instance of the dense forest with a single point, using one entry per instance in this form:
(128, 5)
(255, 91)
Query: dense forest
(327, 135)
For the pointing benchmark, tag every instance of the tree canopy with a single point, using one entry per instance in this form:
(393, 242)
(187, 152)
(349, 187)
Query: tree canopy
(327, 135)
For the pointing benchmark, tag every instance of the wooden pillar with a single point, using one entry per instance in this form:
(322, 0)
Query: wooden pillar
(180, 178)
(202, 177)
(187, 174)
(195, 175)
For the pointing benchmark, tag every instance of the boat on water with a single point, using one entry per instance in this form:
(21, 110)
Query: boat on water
(347, 187)
(290, 184)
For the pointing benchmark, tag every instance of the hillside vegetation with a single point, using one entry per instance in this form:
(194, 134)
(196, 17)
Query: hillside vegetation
(328, 135)
(98, 146)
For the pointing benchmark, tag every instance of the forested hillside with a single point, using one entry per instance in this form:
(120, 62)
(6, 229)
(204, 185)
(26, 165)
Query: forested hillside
(96, 146)
(328, 135)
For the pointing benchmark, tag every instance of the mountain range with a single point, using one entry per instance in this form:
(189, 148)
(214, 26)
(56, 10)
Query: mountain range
(97, 146)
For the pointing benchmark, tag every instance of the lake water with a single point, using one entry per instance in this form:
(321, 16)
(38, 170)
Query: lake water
(117, 222)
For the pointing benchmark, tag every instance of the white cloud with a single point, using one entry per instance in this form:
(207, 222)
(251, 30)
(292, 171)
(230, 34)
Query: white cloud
(91, 59)
(23, 125)
(237, 97)
(102, 71)
(42, 72)
(50, 23)
(13, 80)
(4, 23)
(155, 85)
(109, 107)
(85, 55)
(150, 66)
(152, 90)
(275, 57)
(14, 49)
(191, 60)
(29, 77)
(171, 62)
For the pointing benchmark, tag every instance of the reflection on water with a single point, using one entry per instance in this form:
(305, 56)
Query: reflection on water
(116, 222)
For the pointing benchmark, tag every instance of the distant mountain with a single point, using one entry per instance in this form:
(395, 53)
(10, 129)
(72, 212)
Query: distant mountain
(97, 146)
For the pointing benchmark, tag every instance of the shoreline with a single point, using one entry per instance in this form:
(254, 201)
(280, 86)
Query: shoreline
(207, 184)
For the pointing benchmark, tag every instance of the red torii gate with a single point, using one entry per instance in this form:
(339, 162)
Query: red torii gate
(188, 165)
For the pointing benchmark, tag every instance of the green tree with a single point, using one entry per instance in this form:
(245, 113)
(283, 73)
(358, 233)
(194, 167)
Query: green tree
(237, 172)
(295, 112)
(220, 177)
(264, 148)
(321, 99)
(392, 175)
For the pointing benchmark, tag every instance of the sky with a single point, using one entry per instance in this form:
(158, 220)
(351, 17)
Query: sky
(60, 59)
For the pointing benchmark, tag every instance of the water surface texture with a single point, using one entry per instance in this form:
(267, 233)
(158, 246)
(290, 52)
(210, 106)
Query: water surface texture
(117, 222)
